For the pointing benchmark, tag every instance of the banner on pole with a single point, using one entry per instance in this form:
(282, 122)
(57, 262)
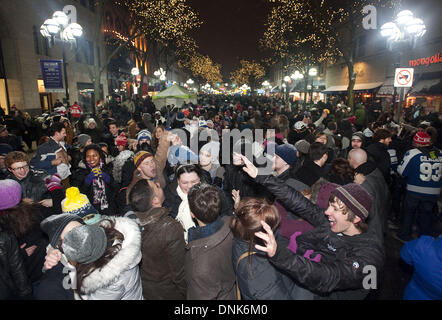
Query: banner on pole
(52, 75)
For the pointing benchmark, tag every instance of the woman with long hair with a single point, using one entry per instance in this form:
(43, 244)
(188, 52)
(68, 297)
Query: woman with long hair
(257, 278)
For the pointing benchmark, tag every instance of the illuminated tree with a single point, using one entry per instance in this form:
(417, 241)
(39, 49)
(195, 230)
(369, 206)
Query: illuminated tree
(203, 69)
(249, 73)
(310, 32)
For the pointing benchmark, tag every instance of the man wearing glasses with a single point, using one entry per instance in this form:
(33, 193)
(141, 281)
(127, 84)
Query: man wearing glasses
(32, 181)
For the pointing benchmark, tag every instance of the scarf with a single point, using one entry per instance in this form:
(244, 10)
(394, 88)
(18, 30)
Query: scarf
(99, 190)
(183, 215)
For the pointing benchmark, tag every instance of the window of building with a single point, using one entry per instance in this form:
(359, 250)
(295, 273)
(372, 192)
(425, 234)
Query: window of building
(83, 3)
(92, 5)
(35, 36)
(85, 52)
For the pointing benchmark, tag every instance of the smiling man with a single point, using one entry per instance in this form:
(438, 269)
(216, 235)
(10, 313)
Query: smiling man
(332, 260)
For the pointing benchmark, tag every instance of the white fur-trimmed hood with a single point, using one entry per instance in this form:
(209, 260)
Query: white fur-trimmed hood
(127, 258)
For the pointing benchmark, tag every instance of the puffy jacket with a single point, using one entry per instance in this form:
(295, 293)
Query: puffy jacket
(257, 278)
(14, 282)
(119, 279)
(339, 274)
(163, 249)
(208, 266)
(44, 156)
(425, 255)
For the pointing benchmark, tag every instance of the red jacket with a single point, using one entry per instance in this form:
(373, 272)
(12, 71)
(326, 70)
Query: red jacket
(76, 111)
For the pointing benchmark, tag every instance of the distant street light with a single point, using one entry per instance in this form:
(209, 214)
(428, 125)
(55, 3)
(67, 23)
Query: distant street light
(402, 35)
(58, 28)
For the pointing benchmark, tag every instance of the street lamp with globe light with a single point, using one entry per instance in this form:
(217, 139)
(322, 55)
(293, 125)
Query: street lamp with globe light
(58, 28)
(402, 35)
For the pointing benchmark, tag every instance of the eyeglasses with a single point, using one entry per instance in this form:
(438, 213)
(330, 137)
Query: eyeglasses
(19, 168)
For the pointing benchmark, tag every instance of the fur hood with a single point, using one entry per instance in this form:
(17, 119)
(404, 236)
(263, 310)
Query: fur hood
(119, 163)
(127, 258)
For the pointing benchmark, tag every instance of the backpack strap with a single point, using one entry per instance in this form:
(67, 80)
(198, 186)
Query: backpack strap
(245, 254)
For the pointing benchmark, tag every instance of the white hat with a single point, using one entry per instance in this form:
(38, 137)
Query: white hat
(300, 125)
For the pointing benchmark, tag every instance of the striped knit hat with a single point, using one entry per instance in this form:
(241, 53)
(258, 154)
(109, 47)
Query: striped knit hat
(422, 139)
(355, 198)
(78, 204)
(140, 157)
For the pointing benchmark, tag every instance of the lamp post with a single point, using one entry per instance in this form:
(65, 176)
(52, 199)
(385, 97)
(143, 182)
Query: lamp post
(402, 34)
(135, 72)
(296, 76)
(58, 28)
(313, 72)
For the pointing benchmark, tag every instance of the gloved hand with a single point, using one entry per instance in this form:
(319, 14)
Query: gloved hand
(97, 172)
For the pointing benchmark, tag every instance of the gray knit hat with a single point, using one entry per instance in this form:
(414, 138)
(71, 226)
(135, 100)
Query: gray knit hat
(303, 146)
(355, 198)
(85, 244)
(82, 139)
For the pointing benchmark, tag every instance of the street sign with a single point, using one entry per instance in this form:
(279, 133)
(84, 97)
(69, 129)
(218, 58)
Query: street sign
(404, 78)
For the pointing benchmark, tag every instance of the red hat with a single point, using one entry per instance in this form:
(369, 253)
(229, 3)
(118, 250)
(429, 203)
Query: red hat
(121, 140)
(422, 139)
(351, 119)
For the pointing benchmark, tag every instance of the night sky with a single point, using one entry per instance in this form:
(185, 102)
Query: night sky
(231, 30)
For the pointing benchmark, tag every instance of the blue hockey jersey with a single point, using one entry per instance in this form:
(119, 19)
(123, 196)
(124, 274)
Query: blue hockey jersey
(423, 172)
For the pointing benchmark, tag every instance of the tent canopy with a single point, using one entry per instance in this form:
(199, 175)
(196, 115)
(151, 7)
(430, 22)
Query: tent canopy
(174, 91)
(175, 95)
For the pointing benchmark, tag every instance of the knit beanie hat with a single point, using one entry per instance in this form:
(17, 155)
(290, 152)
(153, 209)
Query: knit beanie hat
(5, 149)
(300, 125)
(140, 157)
(303, 146)
(53, 226)
(82, 139)
(324, 194)
(78, 204)
(286, 152)
(85, 244)
(180, 116)
(121, 140)
(358, 136)
(144, 134)
(10, 194)
(355, 198)
(422, 139)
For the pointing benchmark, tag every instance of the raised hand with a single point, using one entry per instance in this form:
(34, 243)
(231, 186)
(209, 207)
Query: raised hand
(249, 168)
(268, 238)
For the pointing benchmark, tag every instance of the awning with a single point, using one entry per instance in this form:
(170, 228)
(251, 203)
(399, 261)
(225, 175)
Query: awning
(358, 87)
(430, 86)
(387, 88)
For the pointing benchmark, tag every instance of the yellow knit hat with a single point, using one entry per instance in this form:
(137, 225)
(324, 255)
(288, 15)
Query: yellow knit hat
(78, 204)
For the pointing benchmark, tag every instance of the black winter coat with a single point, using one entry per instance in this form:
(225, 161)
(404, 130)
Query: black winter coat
(236, 178)
(339, 274)
(14, 282)
(378, 152)
(33, 186)
(310, 172)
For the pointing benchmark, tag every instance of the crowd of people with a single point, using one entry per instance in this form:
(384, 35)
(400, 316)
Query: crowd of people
(133, 203)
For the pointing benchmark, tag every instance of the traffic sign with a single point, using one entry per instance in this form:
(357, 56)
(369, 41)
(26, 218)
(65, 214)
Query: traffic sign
(404, 78)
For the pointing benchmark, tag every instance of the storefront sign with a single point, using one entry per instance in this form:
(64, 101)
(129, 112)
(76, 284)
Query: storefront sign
(437, 58)
(52, 75)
